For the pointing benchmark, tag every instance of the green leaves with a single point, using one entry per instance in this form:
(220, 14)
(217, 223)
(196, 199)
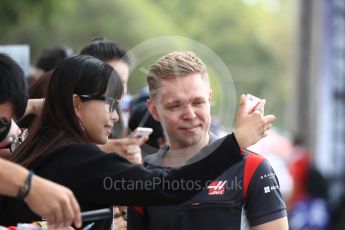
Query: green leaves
(255, 39)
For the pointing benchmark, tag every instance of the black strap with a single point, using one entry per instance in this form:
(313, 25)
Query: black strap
(25, 189)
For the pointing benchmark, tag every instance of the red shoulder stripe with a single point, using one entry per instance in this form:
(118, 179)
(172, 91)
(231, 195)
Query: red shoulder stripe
(139, 210)
(252, 163)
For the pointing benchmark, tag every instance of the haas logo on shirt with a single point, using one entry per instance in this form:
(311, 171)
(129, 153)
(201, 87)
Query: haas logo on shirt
(216, 188)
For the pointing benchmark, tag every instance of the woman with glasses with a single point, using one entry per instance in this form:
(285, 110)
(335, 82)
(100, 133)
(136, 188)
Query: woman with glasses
(79, 112)
(120, 142)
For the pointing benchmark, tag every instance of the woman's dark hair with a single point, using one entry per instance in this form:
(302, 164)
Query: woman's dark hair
(39, 87)
(105, 50)
(37, 90)
(13, 87)
(58, 124)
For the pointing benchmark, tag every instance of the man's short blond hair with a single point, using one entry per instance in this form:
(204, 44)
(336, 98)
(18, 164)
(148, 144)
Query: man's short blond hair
(172, 65)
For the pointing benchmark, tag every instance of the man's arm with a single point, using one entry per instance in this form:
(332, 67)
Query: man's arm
(279, 224)
(60, 206)
(265, 205)
(13, 176)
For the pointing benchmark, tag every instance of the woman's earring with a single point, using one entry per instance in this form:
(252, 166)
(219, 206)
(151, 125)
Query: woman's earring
(81, 125)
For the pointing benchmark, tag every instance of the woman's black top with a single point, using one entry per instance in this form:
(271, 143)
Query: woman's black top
(100, 180)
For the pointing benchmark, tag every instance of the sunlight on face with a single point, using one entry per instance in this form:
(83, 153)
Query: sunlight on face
(96, 119)
(183, 108)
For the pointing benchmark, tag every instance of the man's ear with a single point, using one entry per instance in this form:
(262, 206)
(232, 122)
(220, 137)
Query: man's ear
(76, 104)
(210, 96)
(153, 109)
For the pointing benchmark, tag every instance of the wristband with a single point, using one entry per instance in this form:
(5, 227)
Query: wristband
(25, 189)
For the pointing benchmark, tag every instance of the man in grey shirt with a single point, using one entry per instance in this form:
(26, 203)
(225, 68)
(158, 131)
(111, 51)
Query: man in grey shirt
(180, 98)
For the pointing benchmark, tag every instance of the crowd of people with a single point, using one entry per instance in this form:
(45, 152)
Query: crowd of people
(66, 149)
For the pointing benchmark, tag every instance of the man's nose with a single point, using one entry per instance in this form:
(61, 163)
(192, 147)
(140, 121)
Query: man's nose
(188, 112)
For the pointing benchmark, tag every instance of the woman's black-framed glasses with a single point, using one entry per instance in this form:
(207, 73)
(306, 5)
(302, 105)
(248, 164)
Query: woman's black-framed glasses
(113, 104)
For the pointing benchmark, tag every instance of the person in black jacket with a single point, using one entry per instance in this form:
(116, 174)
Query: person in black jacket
(78, 113)
(62, 207)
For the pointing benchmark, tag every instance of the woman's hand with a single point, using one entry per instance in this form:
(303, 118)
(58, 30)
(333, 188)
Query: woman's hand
(128, 148)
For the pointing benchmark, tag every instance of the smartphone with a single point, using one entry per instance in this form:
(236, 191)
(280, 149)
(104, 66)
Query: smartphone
(142, 131)
(252, 102)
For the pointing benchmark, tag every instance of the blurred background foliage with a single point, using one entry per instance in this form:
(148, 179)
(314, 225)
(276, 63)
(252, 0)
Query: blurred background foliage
(254, 38)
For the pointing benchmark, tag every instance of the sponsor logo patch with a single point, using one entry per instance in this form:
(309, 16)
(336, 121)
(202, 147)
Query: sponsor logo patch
(216, 188)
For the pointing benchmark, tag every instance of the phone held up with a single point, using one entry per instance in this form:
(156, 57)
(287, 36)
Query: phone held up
(252, 103)
(142, 131)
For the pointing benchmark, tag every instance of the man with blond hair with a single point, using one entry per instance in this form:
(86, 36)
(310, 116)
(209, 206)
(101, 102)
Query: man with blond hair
(180, 97)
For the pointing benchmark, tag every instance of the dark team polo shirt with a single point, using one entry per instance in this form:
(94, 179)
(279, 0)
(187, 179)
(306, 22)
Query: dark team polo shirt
(220, 205)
